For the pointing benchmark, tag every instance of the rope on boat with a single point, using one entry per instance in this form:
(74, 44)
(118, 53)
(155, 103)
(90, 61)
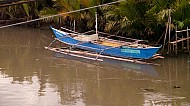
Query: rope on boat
(60, 14)
(52, 42)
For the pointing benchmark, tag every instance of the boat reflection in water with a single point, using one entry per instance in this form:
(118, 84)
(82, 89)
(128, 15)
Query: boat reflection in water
(146, 69)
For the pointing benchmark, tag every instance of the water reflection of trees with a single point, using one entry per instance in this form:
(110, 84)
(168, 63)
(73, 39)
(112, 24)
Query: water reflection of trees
(173, 88)
(20, 51)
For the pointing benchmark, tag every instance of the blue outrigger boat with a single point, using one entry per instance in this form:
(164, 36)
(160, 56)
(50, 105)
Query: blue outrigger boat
(105, 46)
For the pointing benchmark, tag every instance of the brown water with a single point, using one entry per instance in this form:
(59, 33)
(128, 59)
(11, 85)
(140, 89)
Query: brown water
(33, 76)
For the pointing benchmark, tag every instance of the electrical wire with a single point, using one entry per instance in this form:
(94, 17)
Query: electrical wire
(60, 14)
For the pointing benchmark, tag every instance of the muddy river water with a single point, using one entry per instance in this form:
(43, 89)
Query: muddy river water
(33, 76)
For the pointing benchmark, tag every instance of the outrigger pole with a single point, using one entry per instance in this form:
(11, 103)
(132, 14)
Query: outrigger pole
(60, 14)
(85, 55)
(96, 23)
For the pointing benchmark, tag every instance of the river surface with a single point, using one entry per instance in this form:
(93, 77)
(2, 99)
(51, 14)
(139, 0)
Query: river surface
(30, 75)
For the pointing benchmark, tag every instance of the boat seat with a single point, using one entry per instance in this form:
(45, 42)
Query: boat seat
(92, 37)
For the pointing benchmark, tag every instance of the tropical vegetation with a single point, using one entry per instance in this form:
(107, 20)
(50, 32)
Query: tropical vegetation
(143, 19)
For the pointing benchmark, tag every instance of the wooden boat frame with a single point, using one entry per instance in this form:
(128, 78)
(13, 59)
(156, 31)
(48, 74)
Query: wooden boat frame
(69, 50)
(123, 50)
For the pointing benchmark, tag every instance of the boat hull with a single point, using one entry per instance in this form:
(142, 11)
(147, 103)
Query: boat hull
(124, 52)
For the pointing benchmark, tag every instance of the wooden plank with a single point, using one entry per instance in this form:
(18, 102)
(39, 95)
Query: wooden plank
(180, 40)
(74, 32)
(70, 54)
(156, 56)
(188, 41)
(176, 43)
(183, 30)
(87, 32)
(109, 35)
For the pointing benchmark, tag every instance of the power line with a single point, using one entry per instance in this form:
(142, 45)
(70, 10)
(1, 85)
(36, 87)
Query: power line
(61, 14)
(15, 3)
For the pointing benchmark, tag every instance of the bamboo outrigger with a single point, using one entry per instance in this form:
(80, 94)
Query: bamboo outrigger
(71, 51)
(97, 57)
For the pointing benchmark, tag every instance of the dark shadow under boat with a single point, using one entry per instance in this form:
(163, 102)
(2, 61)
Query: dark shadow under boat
(145, 69)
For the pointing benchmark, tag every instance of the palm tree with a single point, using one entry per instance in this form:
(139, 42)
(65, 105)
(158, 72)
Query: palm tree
(84, 19)
(128, 18)
(21, 12)
(180, 15)
(133, 17)
(145, 18)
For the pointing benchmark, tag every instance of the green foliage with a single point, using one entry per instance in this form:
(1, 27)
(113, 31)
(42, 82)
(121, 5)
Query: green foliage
(180, 15)
(146, 18)
(129, 17)
(26, 9)
(83, 17)
(139, 18)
